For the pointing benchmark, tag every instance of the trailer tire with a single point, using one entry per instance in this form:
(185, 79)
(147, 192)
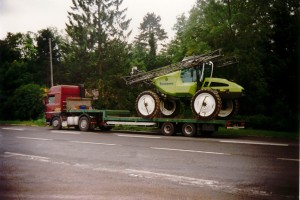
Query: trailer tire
(56, 123)
(189, 130)
(84, 123)
(168, 129)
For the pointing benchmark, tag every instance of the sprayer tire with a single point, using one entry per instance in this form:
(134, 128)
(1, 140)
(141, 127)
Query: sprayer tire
(147, 104)
(206, 104)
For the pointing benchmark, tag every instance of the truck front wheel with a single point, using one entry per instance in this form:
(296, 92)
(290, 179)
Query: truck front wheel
(56, 123)
(84, 124)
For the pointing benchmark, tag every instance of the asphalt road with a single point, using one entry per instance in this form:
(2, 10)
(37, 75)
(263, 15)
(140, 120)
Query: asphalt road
(41, 163)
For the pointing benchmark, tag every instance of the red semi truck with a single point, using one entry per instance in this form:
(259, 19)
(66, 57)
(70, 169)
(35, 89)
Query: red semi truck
(66, 106)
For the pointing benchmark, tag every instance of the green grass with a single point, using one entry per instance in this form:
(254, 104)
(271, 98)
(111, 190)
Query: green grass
(134, 128)
(256, 133)
(222, 132)
(38, 122)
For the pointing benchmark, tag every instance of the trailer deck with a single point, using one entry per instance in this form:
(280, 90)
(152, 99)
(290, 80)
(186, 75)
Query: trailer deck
(124, 116)
(188, 126)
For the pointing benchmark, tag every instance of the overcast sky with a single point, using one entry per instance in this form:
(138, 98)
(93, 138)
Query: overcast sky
(33, 15)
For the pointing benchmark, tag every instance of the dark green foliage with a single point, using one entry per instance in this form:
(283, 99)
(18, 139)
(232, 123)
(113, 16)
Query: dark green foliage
(148, 41)
(95, 27)
(42, 66)
(98, 54)
(278, 123)
(263, 34)
(25, 103)
(25, 60)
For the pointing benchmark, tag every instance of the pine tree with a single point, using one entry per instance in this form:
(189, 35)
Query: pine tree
(150, 34)
(92, 23)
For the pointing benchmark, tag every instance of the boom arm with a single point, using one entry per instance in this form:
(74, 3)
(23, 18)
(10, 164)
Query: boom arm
(188, 62)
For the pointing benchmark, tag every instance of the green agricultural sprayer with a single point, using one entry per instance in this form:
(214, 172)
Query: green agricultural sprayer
(191, 79)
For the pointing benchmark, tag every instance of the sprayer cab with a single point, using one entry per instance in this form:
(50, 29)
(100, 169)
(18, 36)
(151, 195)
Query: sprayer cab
(186, 82)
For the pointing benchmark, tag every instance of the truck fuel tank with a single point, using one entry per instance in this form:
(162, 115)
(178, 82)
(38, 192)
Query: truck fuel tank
(73, 120)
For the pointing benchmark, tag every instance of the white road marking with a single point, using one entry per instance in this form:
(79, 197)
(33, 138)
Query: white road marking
(253, 142)
(14, 129)
(67, 132)
(139, 136)
(30, 138)
(289, 159)
(184, 180)
(171, 177)
(40, 158)
(107, 144)
(142, 174)
(191, 151)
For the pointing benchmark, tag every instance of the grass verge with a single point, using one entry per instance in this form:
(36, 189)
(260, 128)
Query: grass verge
(38, 122)
(222, 132)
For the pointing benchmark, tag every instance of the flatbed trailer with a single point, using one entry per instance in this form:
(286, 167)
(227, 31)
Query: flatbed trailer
(67, 107)
(85, 120)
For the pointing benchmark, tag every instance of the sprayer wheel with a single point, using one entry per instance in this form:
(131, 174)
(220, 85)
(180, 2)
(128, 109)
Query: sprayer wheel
(147, 104)
(206, 104)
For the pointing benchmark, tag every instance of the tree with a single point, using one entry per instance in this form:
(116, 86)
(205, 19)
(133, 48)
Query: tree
(24, 60)
(91, 25)
(150, 34)
(16, 63)
(26, 102)
(263, 35)
(282, 62)
(97, 49)
(177, 47)
(10, 50)
(43, 38)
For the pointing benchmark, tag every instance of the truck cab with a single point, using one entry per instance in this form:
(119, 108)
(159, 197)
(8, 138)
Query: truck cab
(56, 99)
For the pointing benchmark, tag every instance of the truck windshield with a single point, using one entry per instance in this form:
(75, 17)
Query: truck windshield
(51, 99)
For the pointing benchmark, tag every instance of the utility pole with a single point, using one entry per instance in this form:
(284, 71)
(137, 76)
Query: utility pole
(51, 67)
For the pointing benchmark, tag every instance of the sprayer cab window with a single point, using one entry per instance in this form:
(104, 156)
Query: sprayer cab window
(188, 75)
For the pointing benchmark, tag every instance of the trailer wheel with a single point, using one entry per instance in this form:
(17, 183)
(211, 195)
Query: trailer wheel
(56, 123)
(168, 129)
(84, 123)
(189, 130)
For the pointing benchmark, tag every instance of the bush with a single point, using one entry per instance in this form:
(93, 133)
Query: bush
(26, 102)
(275, 123)
(259, 122)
